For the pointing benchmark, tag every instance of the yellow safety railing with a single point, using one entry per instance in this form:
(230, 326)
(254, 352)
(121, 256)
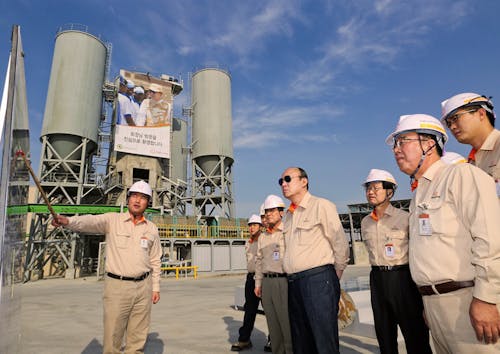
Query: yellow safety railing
(197, 231)
(178, 269)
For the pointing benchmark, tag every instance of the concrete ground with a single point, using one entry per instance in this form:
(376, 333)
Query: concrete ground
(193, 316)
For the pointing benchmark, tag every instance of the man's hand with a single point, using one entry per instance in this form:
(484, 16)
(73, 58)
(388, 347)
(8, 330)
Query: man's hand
(60, 220)
(156, 297)
(258, 291)
(485, 320)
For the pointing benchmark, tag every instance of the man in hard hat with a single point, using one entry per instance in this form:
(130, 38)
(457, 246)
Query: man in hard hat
(251, 300)
(267, 347)
(132, 281)
(394, 296)
(471, 119)
(454, 247)
(316, 254)
(270, 279)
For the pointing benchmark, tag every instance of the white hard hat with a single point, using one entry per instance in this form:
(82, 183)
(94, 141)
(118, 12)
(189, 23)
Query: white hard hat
(254, 219)
(379, 176)
(452, 158)
(130, 84)
(141, 187)
(468, 99)
(419, 123)
(273, 201)
(262, 210)
(156, 88)
(138, 89)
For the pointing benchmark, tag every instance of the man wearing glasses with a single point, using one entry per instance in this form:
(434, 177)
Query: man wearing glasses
(132, 281)
(454, 247)
(316, 254)
(394, 296)
(471, 120)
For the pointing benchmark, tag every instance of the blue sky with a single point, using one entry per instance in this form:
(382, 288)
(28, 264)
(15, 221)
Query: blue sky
(317, 84)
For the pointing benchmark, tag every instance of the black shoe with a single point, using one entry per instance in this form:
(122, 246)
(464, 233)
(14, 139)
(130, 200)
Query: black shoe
(267, 347)
(238, 346)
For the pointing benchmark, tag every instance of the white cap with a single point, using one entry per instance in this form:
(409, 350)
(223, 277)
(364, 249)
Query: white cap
(468, 99)
(141, 187)
(130, 84)
(254, 219)
(262, 210)
(138, 89)
(273, 201)
(156, 88)
(419, 123)
(452, 158)
(379, 176)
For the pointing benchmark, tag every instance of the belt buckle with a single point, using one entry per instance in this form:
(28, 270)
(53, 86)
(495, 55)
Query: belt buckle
(390, 267)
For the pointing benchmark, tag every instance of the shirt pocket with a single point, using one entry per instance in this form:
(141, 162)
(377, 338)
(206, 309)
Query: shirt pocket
(399, 240)
(305, 232)
(442, 218)
(122, 240)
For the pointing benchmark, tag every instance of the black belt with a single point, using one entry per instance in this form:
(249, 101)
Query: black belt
(274, 275)
(120, 277)
(309, 272)
(444, 288)
(389, 268)
(250, 274)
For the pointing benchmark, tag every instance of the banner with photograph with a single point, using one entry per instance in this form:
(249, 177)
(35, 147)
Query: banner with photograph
(147, 141)
(143, 114)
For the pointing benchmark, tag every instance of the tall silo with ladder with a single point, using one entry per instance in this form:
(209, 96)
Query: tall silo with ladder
(212, 143)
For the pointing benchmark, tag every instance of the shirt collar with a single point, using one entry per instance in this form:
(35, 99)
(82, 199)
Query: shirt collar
(433, 170)
(489, 143)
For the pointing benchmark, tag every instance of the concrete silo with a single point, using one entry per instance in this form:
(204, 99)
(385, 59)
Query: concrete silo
(73, 113)
(212, 143)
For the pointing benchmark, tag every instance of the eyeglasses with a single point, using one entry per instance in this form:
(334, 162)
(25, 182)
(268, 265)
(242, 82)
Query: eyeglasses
(453, 119)
(401, 141)
(373, 189)
(286, 179)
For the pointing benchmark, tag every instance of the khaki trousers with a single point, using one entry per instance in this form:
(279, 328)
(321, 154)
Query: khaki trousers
(127, 308)
(275, 303)
(449, 322)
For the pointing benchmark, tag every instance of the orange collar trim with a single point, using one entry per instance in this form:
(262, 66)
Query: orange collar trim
(374, 215)
(472, 156)
(292, 208)
(414, 185)
(136, 221)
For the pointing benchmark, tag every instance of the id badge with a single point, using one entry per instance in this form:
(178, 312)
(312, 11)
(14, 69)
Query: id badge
(424, 225)
(144, 242)
(389, 250)
(276, 255)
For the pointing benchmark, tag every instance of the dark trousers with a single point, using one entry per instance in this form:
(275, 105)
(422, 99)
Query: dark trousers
(396, 300)
(251, 306)
(313, 304)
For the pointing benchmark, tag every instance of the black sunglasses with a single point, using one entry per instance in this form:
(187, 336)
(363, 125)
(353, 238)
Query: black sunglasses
(286, 179)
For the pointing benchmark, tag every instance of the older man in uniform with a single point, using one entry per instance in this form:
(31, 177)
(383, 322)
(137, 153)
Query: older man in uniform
(251, 300)
(454, 239)
(316, 254)
(270, 279)
(394, 296)
(132, 281)
(471, 119)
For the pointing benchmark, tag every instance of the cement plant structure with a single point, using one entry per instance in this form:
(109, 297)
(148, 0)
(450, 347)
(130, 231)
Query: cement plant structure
(83, 170)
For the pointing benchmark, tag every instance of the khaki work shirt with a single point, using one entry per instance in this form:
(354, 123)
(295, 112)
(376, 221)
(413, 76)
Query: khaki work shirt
(251, 253)
(314, 236)
(131, 250)
(271, 247)
(455, 229)
(488, 157)
(387, 238)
